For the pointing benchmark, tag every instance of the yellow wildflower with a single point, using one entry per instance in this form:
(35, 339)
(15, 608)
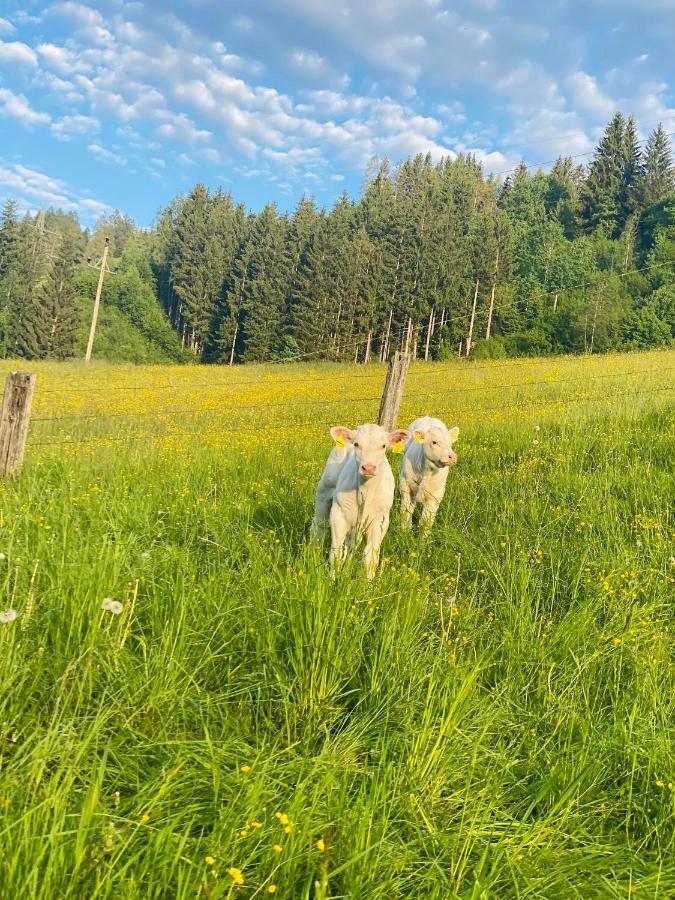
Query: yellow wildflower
(236, 875)
(320, 845)
(272, 889)
(244, 768)
(282, 817)
(209, 860)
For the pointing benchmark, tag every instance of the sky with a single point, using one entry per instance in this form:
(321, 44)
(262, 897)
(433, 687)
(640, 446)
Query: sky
(111, 104)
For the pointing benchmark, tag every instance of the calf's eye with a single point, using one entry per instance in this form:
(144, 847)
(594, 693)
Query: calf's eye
(384, 446)
(356, 445)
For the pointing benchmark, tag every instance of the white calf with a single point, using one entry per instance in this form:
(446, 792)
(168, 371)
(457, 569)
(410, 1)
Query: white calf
(428, 455)
(356, 491)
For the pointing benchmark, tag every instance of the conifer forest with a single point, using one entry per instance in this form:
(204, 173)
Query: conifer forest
(436, 256)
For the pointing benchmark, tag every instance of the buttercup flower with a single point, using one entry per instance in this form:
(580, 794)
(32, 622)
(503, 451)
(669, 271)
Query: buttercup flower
(236, 875)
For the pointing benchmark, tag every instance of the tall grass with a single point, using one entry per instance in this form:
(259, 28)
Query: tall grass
(491, 717)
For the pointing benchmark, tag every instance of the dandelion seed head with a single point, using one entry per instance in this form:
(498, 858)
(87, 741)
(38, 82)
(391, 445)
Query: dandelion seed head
(113, 606)
(7, 615)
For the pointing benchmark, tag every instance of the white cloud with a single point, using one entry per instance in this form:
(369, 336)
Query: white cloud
(62, 60)
(588, 96)
(68, 126)
(34, 190)
(6, 26)
(307, 59)
(15, 53)
(77, 13)
(107, 155)
(16, 106)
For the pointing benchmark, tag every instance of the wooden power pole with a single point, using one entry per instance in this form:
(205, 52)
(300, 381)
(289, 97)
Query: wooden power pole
(97, 302)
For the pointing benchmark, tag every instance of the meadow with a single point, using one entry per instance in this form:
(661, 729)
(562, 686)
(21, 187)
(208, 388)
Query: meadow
(191, 707)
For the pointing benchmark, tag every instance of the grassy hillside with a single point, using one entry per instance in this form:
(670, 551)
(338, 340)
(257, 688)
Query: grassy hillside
(491, 717)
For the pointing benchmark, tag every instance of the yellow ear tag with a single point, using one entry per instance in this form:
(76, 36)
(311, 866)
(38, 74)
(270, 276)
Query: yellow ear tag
(419, 437)
(399, 448)
(340, 441)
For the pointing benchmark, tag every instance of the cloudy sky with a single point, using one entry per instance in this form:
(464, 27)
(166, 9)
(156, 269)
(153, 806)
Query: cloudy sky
(108, 103)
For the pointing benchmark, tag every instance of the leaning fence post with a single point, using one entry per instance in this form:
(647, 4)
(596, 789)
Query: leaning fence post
(14, 420)
(393, 390)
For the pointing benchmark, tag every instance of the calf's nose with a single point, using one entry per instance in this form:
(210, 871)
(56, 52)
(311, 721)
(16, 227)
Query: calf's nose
(368, 468)
(452, 459)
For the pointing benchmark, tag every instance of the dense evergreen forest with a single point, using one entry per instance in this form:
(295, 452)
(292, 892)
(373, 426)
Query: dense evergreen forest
(437, 257)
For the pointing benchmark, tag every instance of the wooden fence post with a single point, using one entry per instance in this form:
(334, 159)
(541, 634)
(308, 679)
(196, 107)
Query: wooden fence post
(393, 390)
(14, 421)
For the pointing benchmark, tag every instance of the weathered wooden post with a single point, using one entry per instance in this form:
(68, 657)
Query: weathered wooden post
(14, 420)
(393, 390)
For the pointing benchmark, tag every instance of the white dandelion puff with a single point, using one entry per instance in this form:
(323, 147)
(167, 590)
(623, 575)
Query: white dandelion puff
(2, 557)
(7, 615)
(145, 555)
(537, 427)
(113, 606)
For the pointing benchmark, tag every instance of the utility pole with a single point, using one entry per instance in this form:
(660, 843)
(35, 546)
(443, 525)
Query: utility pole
(97, 303)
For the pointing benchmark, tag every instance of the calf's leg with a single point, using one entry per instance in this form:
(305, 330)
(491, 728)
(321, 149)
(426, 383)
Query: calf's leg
(339, 529)
(375, 533)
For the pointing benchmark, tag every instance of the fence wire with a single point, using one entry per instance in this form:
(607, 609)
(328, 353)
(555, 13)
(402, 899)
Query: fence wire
(408, 399)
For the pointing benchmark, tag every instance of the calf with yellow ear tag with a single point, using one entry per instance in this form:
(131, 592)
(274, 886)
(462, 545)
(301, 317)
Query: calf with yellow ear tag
(426, 463)
(356, 492)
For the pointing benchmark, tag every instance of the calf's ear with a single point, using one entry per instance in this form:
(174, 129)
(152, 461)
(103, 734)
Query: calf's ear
(454, 433)
(397, 437)
(341, 435)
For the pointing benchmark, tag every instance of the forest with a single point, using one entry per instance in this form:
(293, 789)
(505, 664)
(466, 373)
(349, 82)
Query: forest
(437, 257)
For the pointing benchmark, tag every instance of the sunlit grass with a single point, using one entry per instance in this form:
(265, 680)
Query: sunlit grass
(492, 717)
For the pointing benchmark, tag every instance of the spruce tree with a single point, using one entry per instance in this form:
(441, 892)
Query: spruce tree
(658, 172)
(603, 193)
(58, 297)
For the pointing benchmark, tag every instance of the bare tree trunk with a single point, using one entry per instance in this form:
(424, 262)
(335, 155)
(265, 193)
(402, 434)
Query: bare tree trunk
(366, 358)
(473, 316)
(429, 333)
(385, 343)
(490, 311)
(234, 341)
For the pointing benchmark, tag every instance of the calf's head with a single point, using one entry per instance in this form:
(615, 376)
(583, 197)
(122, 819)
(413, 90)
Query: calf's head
(437, 443)
(369, 444)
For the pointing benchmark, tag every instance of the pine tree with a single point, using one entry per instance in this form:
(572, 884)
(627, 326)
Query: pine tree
(658, 172)
(604, 191)
(58, 297)
(190, 270)
(631, 174)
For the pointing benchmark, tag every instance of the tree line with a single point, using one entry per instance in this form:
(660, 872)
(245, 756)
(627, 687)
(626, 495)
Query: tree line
(435, 257)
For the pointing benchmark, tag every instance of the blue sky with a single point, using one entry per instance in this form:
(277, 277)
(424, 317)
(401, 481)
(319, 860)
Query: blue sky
(111, 104)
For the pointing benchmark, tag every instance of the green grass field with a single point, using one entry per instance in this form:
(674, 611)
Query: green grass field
(492, 717)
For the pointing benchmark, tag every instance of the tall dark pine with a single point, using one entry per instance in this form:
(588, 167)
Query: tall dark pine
(631, 173)
(658, 172)
(190, 271)
(58, 297)
(603, 193)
